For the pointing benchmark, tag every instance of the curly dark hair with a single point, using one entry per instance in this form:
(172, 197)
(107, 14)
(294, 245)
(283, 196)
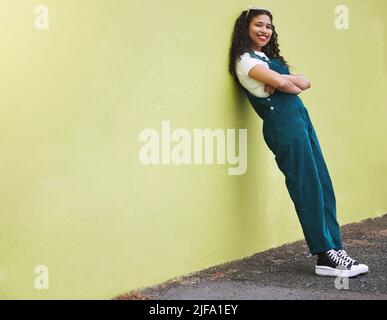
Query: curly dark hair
(241, 42)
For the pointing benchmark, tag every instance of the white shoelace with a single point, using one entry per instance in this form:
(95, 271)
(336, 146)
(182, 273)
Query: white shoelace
(337, 259)
(343, 254)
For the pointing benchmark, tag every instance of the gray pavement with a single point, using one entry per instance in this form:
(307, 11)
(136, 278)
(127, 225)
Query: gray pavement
(286, 273)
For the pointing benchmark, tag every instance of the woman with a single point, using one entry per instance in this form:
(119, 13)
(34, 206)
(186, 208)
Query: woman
(258, 68)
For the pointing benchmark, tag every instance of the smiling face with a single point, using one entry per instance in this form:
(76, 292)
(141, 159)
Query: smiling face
(260, 31)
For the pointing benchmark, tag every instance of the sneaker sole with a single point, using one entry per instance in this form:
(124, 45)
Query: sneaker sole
(332, 272)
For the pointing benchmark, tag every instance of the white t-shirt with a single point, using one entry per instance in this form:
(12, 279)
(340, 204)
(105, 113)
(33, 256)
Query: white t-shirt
(243, 66)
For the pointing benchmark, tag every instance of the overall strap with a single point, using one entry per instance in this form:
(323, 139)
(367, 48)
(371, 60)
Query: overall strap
(254, 55)
(274, 64)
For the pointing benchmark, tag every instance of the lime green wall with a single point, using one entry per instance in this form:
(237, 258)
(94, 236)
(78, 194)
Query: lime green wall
(75, 197)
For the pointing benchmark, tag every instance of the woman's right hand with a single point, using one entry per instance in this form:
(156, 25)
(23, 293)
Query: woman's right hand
(269, 89)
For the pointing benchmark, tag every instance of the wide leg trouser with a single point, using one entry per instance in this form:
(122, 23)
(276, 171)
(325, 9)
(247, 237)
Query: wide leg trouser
(289, 133)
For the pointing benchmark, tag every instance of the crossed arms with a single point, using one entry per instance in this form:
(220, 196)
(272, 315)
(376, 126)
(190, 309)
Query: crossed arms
(273, 80)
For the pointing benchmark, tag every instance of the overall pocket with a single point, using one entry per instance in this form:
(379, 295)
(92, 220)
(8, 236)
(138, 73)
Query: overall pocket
(301, 108)
(278, 115)
(272, 129)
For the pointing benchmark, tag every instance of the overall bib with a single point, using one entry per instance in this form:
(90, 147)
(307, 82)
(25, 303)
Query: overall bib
(289, 134)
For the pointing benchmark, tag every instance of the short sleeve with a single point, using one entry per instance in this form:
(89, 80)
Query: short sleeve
(246, 62)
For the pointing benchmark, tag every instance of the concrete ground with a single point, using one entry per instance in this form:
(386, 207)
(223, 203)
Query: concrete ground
(286, 272)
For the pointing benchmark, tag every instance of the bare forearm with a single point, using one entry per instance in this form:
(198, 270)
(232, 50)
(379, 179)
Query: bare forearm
(298, 80)
(288, 87)
(273, 79)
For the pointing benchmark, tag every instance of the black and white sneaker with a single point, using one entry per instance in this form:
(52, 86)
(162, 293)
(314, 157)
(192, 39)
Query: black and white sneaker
(330, 264)
(343, 255)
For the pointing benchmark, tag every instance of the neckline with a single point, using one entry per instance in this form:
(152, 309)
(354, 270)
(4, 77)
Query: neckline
(260, 53)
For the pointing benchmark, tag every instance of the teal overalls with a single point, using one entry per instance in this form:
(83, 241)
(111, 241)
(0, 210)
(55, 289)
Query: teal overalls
(289, 133)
